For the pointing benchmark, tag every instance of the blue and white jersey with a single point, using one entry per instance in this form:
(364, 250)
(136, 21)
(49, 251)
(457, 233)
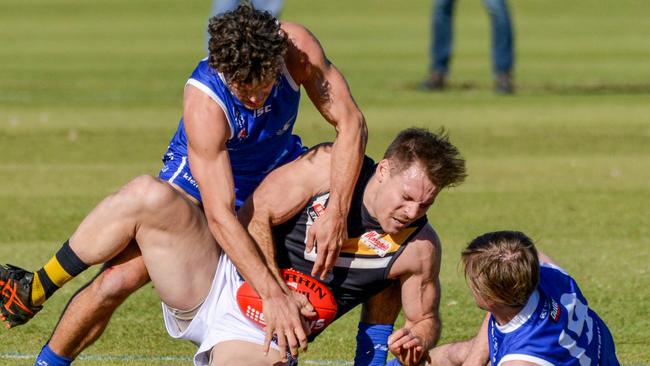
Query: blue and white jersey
(555, 327)
(260, 140)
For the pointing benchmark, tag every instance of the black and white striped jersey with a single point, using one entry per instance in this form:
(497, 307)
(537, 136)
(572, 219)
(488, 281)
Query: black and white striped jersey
(366, 257)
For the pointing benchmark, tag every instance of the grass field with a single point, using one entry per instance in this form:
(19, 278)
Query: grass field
(90, 93)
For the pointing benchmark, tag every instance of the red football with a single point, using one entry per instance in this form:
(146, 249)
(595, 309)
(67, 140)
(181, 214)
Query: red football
(317, 293)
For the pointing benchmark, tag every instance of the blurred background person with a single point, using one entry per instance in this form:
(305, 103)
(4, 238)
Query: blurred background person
(442, 44)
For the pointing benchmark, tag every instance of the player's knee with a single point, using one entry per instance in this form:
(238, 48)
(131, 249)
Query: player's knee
(146, 194)
(115, 284)
(141, 186)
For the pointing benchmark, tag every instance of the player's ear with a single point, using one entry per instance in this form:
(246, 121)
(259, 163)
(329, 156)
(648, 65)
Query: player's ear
(383, 170)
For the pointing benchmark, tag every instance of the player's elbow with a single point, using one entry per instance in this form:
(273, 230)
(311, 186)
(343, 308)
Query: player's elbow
(354, 126)
(259, 222)
(358, 122)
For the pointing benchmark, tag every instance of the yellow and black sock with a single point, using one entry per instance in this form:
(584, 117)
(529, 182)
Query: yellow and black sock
(63, 267)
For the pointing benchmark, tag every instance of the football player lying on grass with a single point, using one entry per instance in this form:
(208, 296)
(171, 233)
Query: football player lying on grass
(390, 242)
(538, 315)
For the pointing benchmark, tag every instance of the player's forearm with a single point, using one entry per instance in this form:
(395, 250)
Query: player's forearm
(347, 157)
(428, 330)
(261, 231)
(244, 253)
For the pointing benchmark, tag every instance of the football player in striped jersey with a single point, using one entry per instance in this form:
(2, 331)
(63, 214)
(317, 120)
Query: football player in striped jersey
(391, 246)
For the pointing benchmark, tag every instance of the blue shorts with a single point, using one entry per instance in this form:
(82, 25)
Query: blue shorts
(176, 170)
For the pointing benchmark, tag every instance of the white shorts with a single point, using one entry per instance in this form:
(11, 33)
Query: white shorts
(219, 318)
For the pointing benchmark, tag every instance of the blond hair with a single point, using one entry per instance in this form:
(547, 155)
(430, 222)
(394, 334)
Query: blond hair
(502, 267)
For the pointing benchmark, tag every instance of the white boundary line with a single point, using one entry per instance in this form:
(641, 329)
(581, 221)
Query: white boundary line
(24, 356)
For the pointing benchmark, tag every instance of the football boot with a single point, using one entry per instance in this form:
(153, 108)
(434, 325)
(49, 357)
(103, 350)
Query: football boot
(15, 299)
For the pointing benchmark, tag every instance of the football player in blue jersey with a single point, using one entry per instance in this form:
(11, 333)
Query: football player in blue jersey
(392, 246)
(537, 313)
(239, 108)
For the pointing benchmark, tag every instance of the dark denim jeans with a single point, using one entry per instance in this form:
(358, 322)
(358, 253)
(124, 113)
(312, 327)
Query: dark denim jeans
(442, 35)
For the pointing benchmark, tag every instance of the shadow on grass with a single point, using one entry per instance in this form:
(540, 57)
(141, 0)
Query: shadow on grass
(556, 89)
(593, 88)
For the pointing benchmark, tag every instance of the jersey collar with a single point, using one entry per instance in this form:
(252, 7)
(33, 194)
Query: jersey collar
(522, 317)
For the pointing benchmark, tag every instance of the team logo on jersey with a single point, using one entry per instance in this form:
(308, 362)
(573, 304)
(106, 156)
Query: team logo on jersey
(374, 241)
(241, 125)
(544, 312)
(315, 211)
(555, 311)
(317, 208)
(261, 111)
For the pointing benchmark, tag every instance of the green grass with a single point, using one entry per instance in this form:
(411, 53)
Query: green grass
(90, 93)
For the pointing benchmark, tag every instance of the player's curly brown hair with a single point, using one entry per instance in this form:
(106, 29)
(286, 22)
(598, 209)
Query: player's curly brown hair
(246, 45)
(441, 160)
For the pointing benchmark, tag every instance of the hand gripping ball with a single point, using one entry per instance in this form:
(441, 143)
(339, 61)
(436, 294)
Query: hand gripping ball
(318, 294)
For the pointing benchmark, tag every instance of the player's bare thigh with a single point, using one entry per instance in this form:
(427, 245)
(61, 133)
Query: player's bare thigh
(179, 250)
(235, 353)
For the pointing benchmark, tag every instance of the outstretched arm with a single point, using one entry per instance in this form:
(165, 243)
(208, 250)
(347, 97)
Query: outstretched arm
(474, 352)
(418, 268)
(282, 194)
(329, 92)
(479, 353)
(208, 131)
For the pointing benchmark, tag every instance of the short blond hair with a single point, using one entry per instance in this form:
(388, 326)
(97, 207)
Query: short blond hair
(502, 267)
